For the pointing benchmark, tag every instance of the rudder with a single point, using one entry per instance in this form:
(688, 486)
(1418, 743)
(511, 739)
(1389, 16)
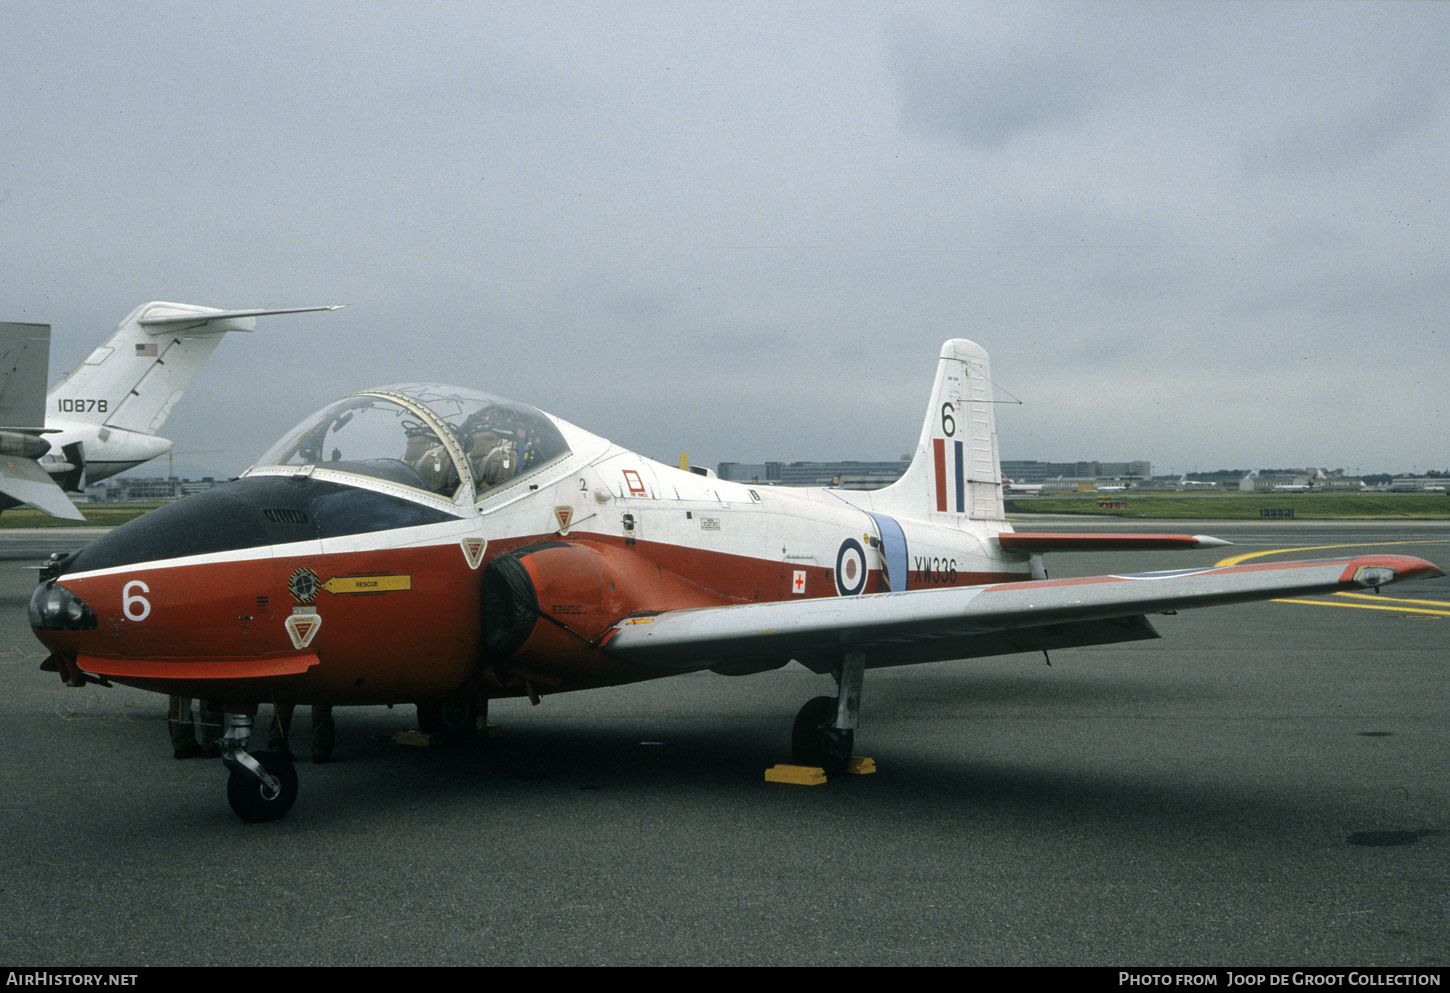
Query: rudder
(955, 473)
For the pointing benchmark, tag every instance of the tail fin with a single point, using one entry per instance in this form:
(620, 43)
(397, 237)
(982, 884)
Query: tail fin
(24, 366)
(133, 380)
(955, 474)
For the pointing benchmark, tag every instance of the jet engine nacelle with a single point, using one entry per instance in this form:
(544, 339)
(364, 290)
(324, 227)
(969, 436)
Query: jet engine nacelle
(25, 446)
(548, 607)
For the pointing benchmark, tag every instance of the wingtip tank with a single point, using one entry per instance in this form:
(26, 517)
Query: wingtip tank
(1373, 571)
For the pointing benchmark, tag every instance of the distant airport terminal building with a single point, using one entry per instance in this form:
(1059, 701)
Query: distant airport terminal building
(1290, 480)
(125, 488)
(1043, 472)
(874, 475)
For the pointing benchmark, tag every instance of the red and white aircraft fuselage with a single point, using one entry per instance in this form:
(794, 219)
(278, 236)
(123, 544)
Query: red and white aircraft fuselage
(437, 545)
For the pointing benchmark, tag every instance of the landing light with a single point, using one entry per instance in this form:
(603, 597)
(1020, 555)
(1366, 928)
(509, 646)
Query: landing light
(55, 608)
(1375, 575)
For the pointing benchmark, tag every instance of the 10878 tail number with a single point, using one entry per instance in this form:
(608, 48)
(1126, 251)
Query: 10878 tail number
(82, 406)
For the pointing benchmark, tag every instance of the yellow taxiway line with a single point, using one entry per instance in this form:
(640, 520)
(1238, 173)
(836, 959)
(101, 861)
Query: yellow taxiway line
(1236, 559)
(1380, 602)
(1371, 606)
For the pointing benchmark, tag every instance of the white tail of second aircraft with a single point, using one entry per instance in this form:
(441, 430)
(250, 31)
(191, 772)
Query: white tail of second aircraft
(955, 474)
(135, 377)
(132, 381)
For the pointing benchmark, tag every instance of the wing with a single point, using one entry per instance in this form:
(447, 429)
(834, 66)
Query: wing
(25, 481)
(967, 622)
(1043, 541)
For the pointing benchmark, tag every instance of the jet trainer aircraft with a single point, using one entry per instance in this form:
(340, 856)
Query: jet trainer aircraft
(443, 546)
(101, 419)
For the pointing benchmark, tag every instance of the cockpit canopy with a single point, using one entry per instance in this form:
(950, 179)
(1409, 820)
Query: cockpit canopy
(424, 436)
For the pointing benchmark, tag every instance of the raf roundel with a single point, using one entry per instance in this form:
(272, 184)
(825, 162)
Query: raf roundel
(850, 568)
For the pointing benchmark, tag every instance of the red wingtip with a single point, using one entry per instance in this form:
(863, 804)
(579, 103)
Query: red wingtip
(1381, 570)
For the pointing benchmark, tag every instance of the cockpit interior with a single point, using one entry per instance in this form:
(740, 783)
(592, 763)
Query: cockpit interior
(424, 436)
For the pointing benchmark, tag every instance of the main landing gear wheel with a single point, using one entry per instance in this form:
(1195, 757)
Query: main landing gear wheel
(816, 741)
(452, 718)
(252, 799)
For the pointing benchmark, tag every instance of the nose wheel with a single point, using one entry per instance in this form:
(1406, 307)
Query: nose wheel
(263, 798)
(261, 787)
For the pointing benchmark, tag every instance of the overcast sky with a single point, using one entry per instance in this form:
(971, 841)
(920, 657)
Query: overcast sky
(1210, 235)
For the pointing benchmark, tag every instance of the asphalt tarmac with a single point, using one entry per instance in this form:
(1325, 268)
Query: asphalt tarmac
(1265, 785)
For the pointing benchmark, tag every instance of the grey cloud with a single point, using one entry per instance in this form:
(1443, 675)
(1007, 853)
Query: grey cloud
(1345, 134)
(981, 98)
(744, 230)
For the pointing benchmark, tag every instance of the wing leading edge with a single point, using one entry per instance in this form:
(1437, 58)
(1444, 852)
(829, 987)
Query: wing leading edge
(969, 622)
(1042, 541)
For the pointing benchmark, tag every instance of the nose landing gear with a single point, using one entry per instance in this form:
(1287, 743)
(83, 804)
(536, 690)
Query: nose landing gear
(261, 787)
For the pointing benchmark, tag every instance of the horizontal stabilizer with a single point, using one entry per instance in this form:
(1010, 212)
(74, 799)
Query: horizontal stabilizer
(24, 480)
(967, 622)
(196, 320)
(1017, 541)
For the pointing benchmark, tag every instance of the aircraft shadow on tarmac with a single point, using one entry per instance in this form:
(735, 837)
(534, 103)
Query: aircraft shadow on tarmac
(691, 765)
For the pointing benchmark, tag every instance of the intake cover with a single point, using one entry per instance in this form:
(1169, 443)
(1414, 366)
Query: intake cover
(510, 603)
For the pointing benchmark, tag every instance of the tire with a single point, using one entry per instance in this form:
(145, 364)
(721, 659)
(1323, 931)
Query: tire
(814, 741)
(248, 795)
(451, 718)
